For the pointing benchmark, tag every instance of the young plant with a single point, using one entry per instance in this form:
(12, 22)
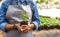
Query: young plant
(24, 17)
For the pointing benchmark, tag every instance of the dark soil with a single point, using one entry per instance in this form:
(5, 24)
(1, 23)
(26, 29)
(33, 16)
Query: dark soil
(24, 23)
(48, 28)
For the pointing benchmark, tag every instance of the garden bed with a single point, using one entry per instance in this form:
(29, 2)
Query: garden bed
(49, 23)
(48, 28)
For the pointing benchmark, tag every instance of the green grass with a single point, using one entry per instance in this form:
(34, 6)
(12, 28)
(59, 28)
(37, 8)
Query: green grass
(46, 21)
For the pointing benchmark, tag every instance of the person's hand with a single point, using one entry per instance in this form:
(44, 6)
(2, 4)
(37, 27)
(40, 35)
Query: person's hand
(21, 28)
(18, 26)
(25, 28)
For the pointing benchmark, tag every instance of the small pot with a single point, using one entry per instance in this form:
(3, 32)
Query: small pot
(24, 23)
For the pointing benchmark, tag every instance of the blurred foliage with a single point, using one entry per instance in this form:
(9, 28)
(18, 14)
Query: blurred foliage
(42, 1)
(46, 21)
(56, 3)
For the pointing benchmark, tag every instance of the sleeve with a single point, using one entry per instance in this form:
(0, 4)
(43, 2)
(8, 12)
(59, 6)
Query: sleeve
(35, 16)
(3, 21)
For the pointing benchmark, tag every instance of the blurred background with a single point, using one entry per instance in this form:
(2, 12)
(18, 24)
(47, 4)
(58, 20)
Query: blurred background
(49, 12)
(49, 15)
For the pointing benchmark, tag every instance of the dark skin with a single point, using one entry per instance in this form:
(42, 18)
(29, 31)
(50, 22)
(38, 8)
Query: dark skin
(22, 28)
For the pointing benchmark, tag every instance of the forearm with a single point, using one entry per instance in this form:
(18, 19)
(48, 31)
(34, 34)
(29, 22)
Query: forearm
(2, 26)
(35, 16)
(9, 27)
(3, 22)
(36, 24)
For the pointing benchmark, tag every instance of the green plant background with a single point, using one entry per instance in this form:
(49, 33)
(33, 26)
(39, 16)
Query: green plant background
(47, 21)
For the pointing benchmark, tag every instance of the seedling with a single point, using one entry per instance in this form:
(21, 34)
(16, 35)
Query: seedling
(25, 18)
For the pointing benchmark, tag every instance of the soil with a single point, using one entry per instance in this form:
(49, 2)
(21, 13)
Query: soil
(48, 28)
(24, 23)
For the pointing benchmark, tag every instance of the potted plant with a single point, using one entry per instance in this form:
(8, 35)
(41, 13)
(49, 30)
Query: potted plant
(25, 18)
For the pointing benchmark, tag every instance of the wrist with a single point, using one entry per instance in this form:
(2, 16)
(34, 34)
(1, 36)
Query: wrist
(17, 25)
(32, 26)
(9, 27)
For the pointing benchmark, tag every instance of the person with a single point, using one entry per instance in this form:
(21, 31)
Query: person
(9, 28)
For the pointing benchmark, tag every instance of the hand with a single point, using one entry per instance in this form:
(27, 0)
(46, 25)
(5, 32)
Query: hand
(24, 28)
(27, 28)
(18, 27)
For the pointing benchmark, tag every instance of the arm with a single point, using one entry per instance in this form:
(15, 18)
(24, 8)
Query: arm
(3, 22)
(35, 16)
